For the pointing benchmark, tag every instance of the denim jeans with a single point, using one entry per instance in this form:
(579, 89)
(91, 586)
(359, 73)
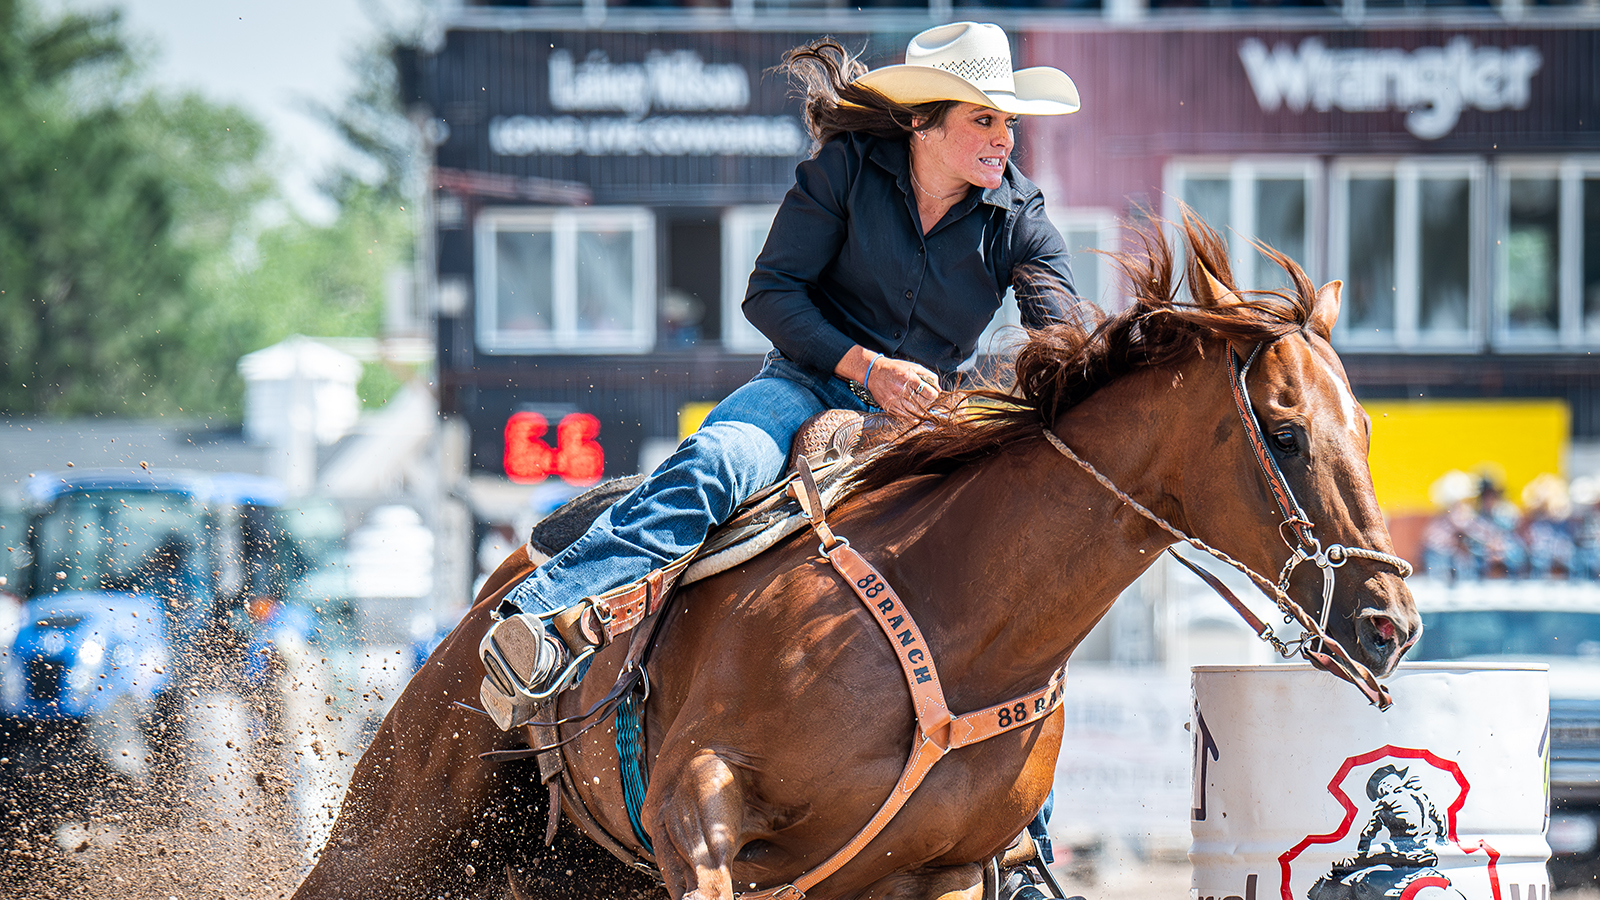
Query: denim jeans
(742, 447)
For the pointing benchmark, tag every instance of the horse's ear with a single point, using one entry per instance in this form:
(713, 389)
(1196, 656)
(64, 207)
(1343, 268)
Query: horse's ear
(1212, 292)
(1326, 310)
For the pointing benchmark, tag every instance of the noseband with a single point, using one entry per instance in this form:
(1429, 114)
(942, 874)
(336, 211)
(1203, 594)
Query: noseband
(1296, 530)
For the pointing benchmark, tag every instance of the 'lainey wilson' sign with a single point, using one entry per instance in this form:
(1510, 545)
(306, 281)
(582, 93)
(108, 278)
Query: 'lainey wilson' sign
(1433, 84)
(671, 82)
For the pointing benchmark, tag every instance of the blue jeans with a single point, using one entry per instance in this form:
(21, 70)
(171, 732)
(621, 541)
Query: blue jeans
(742, 447)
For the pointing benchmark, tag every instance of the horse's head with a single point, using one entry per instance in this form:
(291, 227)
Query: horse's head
(1307, 461)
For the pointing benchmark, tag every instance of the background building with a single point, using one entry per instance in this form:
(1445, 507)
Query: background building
(605, 175)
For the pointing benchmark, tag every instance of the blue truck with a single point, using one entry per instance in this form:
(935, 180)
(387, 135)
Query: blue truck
(139, 591)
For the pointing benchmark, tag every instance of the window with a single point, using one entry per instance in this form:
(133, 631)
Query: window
(1589, 273)
(565, 280)
(1435, 253)
(135, 541)
(1528, 296)
(689, 295)
(1405, 240)
(1547, 289)
(1266, 200)
(1093, 273)
(1085, 232)
(744, 233)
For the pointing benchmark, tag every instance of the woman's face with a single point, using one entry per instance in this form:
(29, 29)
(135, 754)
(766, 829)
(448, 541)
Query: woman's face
(972, 144)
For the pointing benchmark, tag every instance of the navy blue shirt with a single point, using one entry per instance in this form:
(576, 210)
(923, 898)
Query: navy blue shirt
(846, 261)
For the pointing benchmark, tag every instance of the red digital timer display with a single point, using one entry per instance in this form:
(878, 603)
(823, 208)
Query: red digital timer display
(576, 457)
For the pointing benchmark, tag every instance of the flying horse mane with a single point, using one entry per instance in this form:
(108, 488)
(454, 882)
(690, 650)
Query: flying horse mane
(1062, 364)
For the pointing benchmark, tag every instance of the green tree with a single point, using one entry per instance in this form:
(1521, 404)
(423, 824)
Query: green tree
(374, 125)
(330, 280)
(133, 269)
(112, 199)
(306, 278)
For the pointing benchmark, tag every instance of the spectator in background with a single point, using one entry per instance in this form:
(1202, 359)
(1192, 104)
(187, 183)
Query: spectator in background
(1547, 527)
(1585, 496)
(1478, 535)
(1492, 534)
(1445, 554)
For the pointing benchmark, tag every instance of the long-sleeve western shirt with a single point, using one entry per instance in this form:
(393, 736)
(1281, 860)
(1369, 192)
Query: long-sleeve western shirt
(846, 261)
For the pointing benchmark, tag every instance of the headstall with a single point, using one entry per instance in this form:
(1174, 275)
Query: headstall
(1296, 530)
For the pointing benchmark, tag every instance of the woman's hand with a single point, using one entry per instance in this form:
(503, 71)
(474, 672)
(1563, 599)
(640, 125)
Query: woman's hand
(899, 386)
(902, 387)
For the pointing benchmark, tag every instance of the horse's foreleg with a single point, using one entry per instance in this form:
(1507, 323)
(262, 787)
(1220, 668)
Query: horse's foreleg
(423, 815)
(695, 823)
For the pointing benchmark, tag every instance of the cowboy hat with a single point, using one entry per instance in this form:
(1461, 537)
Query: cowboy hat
(1377, 777)
(971, 62)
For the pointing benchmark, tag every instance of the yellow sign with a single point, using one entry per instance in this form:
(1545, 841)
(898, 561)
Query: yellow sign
(690, 415)
(1416, 441)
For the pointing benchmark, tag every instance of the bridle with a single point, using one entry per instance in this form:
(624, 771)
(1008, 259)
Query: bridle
(1296, 529)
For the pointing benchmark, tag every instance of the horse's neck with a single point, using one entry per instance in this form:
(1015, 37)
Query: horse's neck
(1019, 556)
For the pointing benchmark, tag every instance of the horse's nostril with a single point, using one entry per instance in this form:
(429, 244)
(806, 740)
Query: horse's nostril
(1385, 630)
(1379, 635)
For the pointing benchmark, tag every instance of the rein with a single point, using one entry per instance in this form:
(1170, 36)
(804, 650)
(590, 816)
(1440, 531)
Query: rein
(1305, 547)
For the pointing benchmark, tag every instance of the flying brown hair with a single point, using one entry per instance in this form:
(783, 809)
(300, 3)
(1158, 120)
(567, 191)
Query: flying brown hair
(824, 73)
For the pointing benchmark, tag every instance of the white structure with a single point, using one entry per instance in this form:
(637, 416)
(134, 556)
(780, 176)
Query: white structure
(1303, 789)
(389, 452)
(391, 556)
(299, 394)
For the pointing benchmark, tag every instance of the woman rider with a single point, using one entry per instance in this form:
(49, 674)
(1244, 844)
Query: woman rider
(884, 263)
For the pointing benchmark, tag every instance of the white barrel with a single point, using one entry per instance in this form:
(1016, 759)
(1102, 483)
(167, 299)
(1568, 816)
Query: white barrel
(1303, 791)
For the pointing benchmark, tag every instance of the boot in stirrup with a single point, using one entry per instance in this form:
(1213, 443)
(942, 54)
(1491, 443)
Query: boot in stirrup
(525, 663)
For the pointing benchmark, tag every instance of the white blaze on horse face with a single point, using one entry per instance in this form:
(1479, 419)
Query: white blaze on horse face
(1348, 408)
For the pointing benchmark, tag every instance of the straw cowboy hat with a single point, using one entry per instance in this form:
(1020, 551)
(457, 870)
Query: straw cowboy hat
(971, 62)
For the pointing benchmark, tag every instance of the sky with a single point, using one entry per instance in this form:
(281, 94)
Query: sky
(270, 57)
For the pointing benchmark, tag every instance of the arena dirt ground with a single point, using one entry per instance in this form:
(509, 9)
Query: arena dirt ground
(233, 831)
(218, 861)
(198, 861)
(222, 833)
(227, 811)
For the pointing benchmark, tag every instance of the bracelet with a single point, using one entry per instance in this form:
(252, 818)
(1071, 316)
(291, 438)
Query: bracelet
(866, 382)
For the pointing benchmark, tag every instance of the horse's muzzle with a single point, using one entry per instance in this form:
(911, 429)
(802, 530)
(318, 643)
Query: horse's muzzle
(1381, 641)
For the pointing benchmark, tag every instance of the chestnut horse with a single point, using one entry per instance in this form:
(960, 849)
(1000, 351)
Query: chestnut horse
(778, 720)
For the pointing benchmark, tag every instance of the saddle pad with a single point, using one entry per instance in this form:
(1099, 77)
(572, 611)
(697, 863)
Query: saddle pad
(555, 532)
(769, 519)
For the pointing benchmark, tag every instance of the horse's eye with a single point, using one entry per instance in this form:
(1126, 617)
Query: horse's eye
(1284, 441)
